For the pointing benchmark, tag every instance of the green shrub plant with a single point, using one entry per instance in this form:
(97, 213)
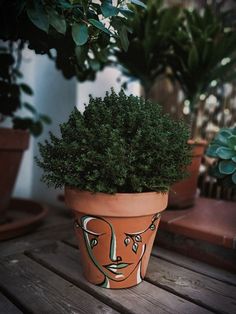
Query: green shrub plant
(119, 144)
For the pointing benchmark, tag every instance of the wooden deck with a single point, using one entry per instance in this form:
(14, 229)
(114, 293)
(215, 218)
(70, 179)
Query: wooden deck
(41, 273)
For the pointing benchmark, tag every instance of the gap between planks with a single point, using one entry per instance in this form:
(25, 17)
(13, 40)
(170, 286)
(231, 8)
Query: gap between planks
(183, 261)
(193, 286)
(144, 298)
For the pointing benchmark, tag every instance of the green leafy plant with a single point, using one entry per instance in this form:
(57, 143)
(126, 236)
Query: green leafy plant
(150, 43)
(223, 148)
(204, 53)
(81, 32)
(118, 144)
(12, 89)
(194, 48)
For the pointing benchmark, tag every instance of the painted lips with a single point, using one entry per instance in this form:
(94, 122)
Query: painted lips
(115, 267)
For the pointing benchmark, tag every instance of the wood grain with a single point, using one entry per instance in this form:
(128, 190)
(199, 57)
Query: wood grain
(39, 290)
(213, 294)
(144, 298)
(7, 307)
(39, 238)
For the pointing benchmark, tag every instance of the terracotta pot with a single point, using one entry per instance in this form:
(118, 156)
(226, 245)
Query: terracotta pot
(12, 145)
(183, 193)
(115, 234)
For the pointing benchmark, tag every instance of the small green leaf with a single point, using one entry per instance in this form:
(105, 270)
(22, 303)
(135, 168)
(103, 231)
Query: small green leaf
(46, 119)
(36, 128)
(227, 167)
(108, 9)
(123, 33)
(232, 142)
(26, 89)
(225, 153)
(234, 177)
(29, 107)
(57, 21)
(193, 58)
(37, 15)
(135, 247)
(234, 159)
(139, 3)
(211, 151)
(99, 25)
(223, 136)
(80, 34)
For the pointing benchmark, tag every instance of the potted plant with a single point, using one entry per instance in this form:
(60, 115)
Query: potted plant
(223, 150)
(182, 45)
(116, 161)
(14, 139)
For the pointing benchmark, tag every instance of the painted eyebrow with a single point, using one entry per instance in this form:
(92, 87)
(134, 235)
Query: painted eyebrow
(88, 231)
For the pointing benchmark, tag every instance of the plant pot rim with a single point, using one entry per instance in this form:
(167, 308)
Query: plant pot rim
(14, 139)
(198, 142)
(116, 205)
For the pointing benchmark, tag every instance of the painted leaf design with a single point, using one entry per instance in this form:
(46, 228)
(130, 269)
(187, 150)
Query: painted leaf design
(138, 238)
(152, 227)
(127, 241)
(93, 243)
(135, 247)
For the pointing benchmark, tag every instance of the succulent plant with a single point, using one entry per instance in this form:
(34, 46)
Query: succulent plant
(223, 147)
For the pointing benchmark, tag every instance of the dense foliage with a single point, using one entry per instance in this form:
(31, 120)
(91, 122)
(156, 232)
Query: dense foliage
(223, 148)
(12, 89)
(119, 144)
(150, 42)
(81, 32)
(197, 48)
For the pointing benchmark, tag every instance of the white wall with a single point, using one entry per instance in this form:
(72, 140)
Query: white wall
(56, 97)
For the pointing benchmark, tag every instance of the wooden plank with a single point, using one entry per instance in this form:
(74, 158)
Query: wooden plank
(7, 307)
(39, 290)
(213, 294)
(183, 261)
(144, 298)
(39, 238)
(194, 265)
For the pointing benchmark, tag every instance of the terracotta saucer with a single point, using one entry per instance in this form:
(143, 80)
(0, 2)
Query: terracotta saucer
(22, 216)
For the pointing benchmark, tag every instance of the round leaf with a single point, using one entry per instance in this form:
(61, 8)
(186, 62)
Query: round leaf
(225, 153)
(37, 15)
(99, 25)
(57, 21)
(227, 167)
(234, 177)
(211, 151)
(232, 142)
(80, 34)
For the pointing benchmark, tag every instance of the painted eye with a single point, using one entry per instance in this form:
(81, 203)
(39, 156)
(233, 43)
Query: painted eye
(152, 227)
(135, 247)
(93, 243)
(127, 241)
(138, 238)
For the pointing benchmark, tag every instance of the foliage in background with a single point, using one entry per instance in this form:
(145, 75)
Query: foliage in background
(204, 53)
(78, 34)
(119, 144)
(223, 147)
(149, 43)
(194, 48)
(12, 89)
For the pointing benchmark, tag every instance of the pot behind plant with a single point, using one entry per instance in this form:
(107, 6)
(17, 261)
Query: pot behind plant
(115, 234)
(183, 193)
(12, 145)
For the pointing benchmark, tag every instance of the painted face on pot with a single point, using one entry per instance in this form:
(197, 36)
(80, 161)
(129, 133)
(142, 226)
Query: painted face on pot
(117, 247)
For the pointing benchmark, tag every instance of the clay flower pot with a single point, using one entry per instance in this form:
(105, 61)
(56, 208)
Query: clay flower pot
(183, 193)
(12, 145)
(115, 234)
